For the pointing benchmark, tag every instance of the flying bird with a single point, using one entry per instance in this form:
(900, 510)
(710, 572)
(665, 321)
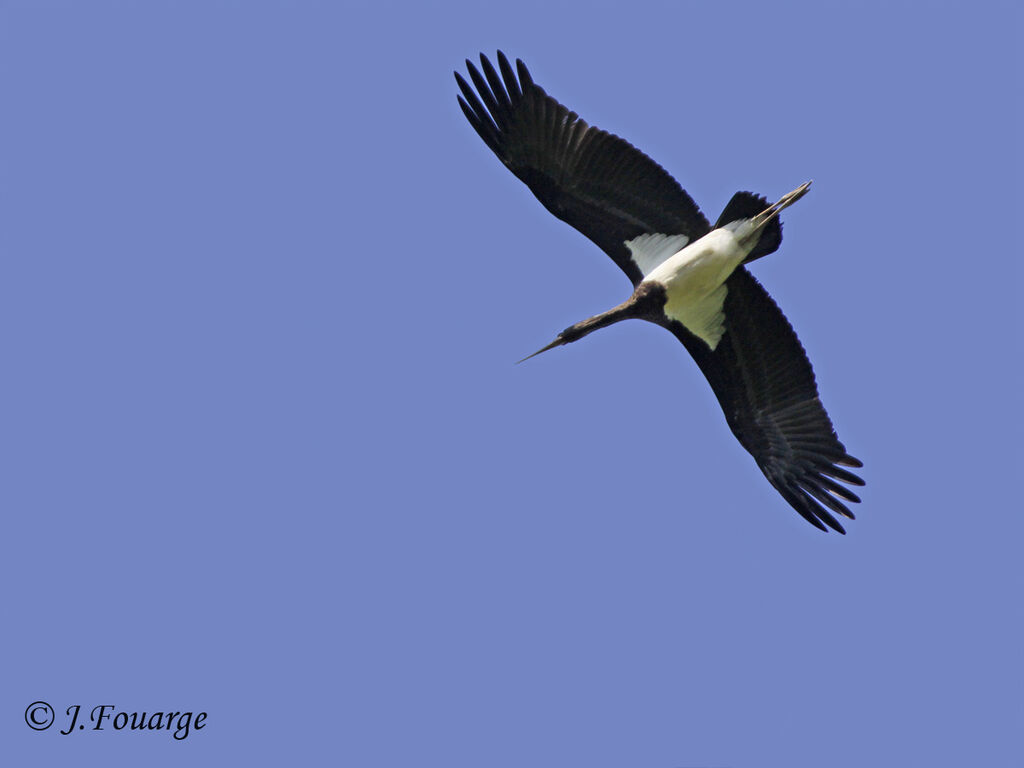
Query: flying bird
(688, 277)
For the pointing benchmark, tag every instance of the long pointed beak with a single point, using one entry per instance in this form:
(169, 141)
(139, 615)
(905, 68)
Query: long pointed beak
(556, 343)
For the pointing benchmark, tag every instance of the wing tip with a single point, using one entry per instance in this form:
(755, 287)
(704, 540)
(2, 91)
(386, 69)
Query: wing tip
(814, 497)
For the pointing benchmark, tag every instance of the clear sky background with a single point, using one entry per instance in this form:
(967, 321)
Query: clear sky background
(266, 453)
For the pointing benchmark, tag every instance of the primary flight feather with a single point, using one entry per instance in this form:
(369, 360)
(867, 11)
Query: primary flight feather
(687, 277)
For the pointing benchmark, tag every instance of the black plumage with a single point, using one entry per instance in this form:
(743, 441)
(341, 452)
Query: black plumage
(612, 193)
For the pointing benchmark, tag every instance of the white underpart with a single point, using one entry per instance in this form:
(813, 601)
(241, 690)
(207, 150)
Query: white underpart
(694, 279)
(649, 251)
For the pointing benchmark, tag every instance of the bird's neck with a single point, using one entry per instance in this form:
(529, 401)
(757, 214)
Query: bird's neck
(645, 304)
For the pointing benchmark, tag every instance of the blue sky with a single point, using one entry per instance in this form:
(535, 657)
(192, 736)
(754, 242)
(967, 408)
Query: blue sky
(267, 454)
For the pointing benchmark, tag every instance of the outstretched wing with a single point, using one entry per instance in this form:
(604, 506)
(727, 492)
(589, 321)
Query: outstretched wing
(596, 182)
(765, 384)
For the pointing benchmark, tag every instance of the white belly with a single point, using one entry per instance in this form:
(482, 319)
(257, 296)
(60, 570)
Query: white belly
(694, 280)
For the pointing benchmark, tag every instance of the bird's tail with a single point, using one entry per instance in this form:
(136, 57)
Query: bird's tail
(759, 218)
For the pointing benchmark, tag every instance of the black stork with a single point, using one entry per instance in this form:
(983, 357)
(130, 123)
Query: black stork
(687, 277)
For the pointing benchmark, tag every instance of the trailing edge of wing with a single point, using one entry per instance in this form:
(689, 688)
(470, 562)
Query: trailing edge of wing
(766, 387)
(596, 182)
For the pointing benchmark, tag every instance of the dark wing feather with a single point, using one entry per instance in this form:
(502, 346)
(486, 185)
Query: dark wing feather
(594, 181)
(765, 384)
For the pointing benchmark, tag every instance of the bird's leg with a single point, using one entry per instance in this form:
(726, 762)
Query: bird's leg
(773, 210)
